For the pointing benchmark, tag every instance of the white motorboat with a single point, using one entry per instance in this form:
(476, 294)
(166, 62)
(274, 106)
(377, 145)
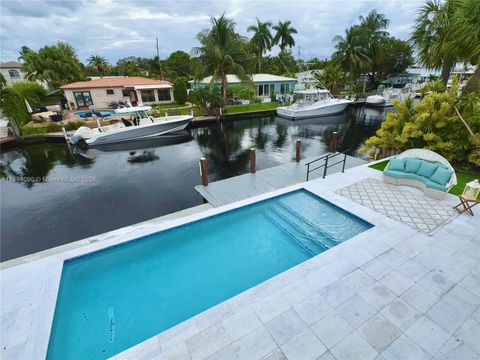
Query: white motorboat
(386, 96)
(136, 124)
(313, 103)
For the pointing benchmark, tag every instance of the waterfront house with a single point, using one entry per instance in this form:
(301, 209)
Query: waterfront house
(12, 72)
(264, 84)
(100, 92)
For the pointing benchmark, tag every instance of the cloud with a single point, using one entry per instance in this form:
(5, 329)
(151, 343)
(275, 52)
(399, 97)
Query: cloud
(117, 29)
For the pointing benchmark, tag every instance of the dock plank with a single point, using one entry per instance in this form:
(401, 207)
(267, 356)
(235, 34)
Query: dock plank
(241, 187)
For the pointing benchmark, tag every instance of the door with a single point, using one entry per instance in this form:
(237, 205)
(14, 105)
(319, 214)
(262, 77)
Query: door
(133, 97)
(83, 98)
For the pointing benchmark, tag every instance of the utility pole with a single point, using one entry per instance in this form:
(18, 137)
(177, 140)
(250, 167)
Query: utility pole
(159, 64)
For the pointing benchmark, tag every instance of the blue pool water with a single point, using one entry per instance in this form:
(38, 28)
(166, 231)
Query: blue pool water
(116, 298)
(103, 112)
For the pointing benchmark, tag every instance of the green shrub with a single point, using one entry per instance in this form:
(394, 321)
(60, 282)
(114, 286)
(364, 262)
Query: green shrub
(180, 91)
(273, 96)
(12, 99)
(39, 129)
(257, 100)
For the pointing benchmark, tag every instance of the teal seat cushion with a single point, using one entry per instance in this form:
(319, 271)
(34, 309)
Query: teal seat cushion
(412, 165)
(441, 176)
(436, 186)
(402, 174)
(397, 164)
(427, 169)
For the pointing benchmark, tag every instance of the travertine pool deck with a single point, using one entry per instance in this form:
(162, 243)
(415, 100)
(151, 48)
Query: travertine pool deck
(388, 293)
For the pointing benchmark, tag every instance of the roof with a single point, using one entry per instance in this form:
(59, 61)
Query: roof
(115, 82)
(232, 79)
(11, 64)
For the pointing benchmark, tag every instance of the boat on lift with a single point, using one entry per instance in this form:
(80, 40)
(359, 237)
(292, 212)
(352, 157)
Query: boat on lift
(313, 103)
(134, 125)
(386, 96)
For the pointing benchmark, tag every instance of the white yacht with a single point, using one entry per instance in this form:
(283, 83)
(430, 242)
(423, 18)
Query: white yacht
(313, 103)
(386, 96)
(136, 124)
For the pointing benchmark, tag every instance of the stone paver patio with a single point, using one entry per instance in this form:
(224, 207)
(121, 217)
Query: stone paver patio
(388, 293)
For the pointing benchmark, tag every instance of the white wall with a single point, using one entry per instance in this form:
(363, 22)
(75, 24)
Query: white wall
(10, 80)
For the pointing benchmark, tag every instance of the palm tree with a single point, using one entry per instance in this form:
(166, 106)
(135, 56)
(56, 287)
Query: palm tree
(351, 52)
(466, 34)
(223, 52)
(284, 35)
(99, 63)
(261, 40)
(373, 31)
(432, 33)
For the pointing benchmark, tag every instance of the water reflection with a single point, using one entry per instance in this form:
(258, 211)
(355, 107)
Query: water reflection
(149, 178)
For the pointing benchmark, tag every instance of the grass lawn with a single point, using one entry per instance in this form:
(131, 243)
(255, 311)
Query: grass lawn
(234, 109)
(462, 178)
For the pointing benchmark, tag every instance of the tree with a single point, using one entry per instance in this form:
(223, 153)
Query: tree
(128, 66)
(207, 98)
(394, 57)
(179, 64)
(12, 99)
(433, 35)
(57, 65)
(351, 52)
(261, 40)
(373, 31)
(284, 35)
(466, 35)
(331, 77)
(180, 91)
(99, 63)
(223, 52)
(283, 64)
(3, 81)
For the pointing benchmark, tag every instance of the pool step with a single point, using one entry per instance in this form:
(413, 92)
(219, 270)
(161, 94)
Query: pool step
(310, 237)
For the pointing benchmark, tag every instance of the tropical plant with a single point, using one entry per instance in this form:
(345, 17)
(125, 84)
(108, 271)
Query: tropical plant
(57, 65)
(179, 64)
(12, 100)
(223, 52)
(208, 98)
(99, 63)
(180, 91)
(261, 40)
(433, 36)
(435, 85)
(351, 52)
(284, 34)
(331, 77)
(3, 81)
(393, 57)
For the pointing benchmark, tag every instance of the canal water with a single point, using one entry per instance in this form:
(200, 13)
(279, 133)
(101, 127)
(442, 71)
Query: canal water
(52, 194)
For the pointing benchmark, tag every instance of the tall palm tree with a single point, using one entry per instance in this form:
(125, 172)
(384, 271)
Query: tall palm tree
(99, 63)
(223, 52)
(351, 52)
(284, 35)
(261, 40)
(373, 28)
(466, 34)
(432, 32)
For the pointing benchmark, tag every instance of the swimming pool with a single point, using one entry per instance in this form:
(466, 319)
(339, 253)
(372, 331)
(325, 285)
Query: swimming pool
(116, 298)
(103, 112)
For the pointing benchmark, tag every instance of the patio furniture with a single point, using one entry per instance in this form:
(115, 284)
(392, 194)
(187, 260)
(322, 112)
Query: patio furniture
(423, 169)
(468, 199)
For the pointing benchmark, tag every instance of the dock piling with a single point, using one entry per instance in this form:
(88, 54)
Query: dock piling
(204, 171)
(253, 161)
(333, 144)
(298, 150)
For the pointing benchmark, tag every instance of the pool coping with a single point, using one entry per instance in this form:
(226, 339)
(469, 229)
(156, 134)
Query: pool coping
(43, 275)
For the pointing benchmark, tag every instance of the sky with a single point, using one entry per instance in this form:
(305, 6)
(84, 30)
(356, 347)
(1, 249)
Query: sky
(117, 29)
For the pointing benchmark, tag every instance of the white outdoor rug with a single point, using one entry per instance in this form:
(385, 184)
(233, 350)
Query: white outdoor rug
(418, 211)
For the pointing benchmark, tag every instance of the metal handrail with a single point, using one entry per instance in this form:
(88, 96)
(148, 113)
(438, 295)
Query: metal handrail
(325, 165)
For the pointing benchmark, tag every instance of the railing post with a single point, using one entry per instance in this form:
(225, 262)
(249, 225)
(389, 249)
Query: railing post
(333, 144)
(253, 161)
(325, 168)
(344, 161)
(308, 170)
(298, 150)
(204, 171)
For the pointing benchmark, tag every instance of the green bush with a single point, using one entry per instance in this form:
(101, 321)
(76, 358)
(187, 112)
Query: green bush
(257, 100)
(12, 99)
(273, 96)
(180, 91)
(39, 129)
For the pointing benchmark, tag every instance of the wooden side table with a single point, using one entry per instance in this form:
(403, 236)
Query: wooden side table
(467, 204)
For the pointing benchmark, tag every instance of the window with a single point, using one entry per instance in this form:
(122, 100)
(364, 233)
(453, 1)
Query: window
(125, 92)
(284, 88)
(14, 74)
(83, 98)
(147, 95)
(110, 92)
(164, 95)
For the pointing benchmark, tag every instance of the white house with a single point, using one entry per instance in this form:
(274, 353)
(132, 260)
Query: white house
(264, 83)
(12, 72)
(100, 92)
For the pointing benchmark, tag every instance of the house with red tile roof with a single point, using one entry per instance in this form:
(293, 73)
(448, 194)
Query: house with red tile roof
(100, 92)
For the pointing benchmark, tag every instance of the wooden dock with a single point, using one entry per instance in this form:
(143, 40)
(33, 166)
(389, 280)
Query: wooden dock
(240, 187)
